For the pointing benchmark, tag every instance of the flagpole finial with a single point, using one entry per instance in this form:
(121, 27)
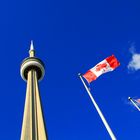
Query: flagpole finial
(79, 74)
(129, 98)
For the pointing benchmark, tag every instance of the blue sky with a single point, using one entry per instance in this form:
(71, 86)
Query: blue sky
(71, 37)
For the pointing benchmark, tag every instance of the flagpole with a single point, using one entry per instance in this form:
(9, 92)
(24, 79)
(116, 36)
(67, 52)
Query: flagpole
(98, 110)
(130, 99)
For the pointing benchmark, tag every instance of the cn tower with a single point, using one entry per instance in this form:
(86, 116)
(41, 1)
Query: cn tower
(32, 70)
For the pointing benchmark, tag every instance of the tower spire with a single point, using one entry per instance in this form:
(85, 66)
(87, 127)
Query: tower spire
(33, 127)
(32, 51)
(32, 45)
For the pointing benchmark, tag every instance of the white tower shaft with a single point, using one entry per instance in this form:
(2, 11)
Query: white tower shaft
(33, 123)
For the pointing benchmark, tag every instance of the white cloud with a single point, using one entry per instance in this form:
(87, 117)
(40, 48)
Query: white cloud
(134, 64)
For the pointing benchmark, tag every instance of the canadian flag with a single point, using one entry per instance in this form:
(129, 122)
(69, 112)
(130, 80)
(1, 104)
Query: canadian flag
(108, 64)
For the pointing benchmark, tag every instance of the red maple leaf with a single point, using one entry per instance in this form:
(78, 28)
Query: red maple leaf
(100, 66)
